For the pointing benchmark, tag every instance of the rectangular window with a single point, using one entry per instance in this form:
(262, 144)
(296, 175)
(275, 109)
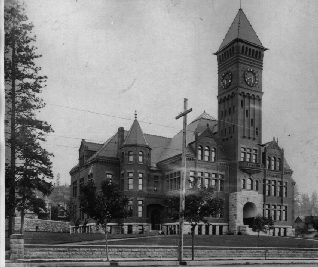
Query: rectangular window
(242, 104)
(280, 189)
(252, 122)
(243, 153)
(140, 180)
(249, 155)
(284, 213)
(268, 211)
(75, 189)
(246, 113)
(256, 131)
(274, 212)
(130, 208)
(155, 182)
(130, 184)
(274, 188)
(267, 188)
(255, 155)
(221, 185)
(81, 184)
(191, 179)
(285, 189)
(140, 203)
(109, 177)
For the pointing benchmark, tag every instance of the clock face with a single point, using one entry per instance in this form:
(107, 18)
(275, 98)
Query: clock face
(226, 79)
(250, 77)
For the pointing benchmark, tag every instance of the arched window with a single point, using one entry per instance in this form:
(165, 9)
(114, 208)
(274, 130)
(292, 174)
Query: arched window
(256, 185)
(207, 153)
(273, 164)
(249, 184)
(130, 156)
(268, 162)
(213, 159)
(141, 157)
(200, 153)
(278, 164)
(243, 184)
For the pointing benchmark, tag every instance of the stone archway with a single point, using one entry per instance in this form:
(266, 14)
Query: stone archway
(249, 213)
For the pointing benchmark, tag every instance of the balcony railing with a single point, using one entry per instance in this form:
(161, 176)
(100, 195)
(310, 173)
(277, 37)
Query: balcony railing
(250, 167)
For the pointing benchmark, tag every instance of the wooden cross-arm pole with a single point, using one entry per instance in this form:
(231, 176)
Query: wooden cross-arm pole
(183, 178)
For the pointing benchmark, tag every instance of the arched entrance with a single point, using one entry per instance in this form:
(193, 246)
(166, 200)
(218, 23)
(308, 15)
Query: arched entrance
(155, 219)
(249, 213)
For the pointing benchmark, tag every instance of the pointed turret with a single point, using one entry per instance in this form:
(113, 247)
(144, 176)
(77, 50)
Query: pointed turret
(241, 29)
(135, 135)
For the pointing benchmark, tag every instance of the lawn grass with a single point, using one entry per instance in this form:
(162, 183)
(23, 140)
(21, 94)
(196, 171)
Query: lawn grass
(220, 241)
(171, 240)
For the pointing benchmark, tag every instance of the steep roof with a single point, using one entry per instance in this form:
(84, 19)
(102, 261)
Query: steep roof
(195, 127)
(135, 135)
(241, 29)
(274, 145)
(157, 145)
(91, 146)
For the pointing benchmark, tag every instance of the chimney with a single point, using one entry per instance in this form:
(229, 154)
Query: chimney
(121, 137)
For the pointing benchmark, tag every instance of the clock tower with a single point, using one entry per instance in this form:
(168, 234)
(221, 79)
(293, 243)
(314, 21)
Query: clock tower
(240, 66)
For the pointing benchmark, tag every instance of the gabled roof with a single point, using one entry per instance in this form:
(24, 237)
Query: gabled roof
(274, 145)
(241, 29)
(195, 127)
(135, 135)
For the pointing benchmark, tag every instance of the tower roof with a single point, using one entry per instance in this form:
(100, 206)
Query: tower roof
(241, 29)
(135, 135)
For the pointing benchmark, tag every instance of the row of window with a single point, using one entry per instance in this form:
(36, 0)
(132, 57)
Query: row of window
(224, 132)
(273, 163)
(249, 154)
(251, 52)
(131, 157)
(173, 181)
(207, 179)
(231, 111)
(250, 184)
(277, 212)
(276, 188)
(208, 154)
(139, 208)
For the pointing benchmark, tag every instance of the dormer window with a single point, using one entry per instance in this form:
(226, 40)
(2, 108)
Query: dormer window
(130, 156)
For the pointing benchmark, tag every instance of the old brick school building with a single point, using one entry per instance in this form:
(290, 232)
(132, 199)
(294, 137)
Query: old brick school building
(252, 177)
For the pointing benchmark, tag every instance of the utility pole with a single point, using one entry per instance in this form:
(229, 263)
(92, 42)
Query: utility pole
(183, 178)
(11, 223)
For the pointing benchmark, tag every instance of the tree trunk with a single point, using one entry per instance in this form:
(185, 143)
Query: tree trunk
(106, 236)
(22, 223)
(192, 248)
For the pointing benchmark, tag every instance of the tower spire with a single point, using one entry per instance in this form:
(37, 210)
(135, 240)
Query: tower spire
(135, 114)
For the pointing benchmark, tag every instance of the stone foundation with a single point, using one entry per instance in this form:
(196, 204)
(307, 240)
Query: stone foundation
(17, 247)
(41, 225)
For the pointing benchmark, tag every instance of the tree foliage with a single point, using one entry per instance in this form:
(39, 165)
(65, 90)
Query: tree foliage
(25, 136)
(199, 206)
(262, 224)
(104, 206)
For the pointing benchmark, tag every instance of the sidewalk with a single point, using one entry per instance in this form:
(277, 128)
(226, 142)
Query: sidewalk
(155, 262)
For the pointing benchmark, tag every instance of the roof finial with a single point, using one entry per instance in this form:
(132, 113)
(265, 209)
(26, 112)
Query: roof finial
(135, 114)
(240, 4)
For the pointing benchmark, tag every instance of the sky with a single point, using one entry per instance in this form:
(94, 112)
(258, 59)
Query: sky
(106, 59)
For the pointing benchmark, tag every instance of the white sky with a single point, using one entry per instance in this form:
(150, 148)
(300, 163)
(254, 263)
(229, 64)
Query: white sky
(115, 57)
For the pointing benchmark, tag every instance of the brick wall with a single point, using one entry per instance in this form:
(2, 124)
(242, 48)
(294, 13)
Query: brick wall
(97, 251)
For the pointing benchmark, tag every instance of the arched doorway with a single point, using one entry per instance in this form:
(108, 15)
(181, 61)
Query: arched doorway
(155, 219)
(249, 213)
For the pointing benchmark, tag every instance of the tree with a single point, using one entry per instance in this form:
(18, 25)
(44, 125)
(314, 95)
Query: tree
(199, 205)
(262, 224)
(314, 222)
(30, 164)
(314, 203)
(104, 206)
(305, 205)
